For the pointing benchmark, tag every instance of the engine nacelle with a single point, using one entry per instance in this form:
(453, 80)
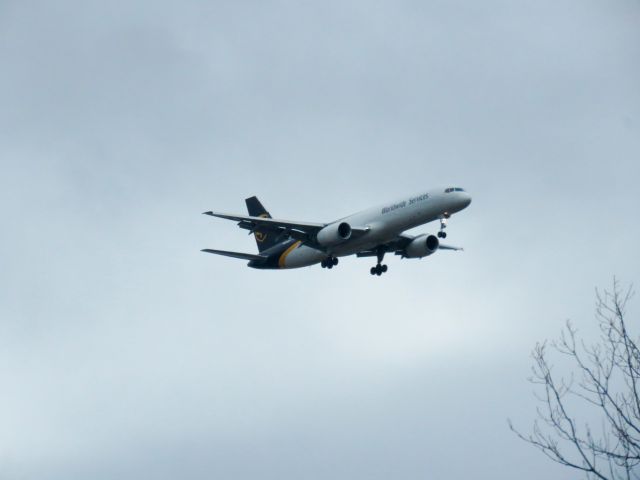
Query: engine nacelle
(334, 234)
(422, 246)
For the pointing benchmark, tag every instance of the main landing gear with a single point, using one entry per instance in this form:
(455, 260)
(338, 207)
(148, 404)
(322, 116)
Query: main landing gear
(379, 269)
(329, 262)
(443, 225)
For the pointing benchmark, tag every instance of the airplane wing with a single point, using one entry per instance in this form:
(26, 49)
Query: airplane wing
(304, 231)
(242, 256)
(398, 245)
(270, 223)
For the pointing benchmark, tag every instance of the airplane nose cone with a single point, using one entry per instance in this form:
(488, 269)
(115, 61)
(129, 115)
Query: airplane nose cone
(465, 200)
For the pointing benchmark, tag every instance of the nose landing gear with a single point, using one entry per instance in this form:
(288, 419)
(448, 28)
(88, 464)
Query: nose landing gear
(443, 225)
(329, 262)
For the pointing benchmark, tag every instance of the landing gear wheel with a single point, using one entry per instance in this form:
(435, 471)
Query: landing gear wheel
(329, 262)
(443, 225)
(378, 269)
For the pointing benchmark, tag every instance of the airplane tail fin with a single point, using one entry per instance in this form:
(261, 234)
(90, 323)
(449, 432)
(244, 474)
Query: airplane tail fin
(264, 238)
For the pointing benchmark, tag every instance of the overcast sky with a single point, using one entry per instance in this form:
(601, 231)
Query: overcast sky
(126, 353)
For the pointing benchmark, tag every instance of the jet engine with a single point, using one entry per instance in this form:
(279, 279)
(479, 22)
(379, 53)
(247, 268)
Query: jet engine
(422, 246)
(334, 234)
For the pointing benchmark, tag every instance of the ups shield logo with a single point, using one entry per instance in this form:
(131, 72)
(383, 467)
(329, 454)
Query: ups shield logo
(261, 236)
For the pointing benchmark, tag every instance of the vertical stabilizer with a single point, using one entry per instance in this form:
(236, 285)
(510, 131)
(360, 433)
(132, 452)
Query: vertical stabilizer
(264, 238)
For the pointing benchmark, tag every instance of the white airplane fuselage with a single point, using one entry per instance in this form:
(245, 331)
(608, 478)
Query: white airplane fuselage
(384, 223)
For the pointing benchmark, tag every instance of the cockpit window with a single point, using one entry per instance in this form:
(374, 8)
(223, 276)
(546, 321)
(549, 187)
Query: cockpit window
(453, 189)
(448, 190)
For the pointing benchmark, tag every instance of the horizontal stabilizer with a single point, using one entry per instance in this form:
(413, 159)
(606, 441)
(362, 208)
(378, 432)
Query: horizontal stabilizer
(242, 256)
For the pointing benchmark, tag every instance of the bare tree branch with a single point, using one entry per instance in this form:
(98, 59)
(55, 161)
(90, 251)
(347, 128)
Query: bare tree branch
(606, 380)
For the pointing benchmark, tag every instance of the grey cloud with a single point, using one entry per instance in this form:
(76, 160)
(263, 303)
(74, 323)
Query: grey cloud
(125, 352)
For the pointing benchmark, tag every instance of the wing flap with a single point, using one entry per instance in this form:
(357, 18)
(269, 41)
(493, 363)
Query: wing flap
(367, 253)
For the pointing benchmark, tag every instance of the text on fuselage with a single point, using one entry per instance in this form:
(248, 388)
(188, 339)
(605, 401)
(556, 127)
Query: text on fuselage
(404, 203)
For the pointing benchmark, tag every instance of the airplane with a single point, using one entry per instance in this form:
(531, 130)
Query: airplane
(284, 244)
